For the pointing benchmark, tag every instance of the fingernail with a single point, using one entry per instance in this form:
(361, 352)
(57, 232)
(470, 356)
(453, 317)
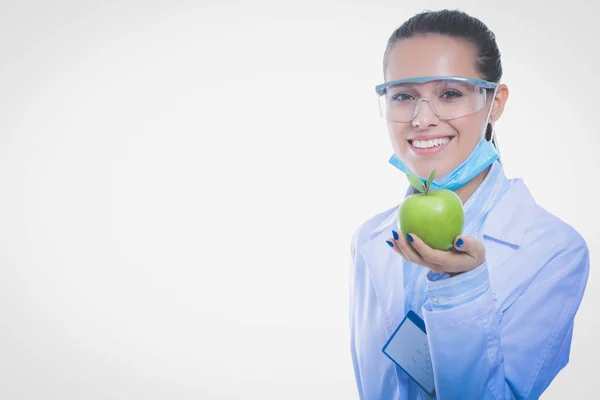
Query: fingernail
(410, 239)
(460, 242)
(395, 235)
(390, 243)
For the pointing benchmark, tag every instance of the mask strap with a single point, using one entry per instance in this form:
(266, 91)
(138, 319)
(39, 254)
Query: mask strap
(493, 139)
(495, 143)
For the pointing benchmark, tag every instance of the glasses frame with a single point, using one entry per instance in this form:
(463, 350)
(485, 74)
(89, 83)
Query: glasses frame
(380, 89)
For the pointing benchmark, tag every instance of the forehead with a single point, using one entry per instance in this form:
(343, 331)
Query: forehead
(431, 55)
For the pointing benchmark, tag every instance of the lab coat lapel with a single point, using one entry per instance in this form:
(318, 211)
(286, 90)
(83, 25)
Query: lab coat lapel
(504, 228)
(508, 220)
(386, 269)
(503, 235)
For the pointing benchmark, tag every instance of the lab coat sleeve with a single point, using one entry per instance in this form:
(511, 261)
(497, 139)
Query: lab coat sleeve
(353, 294)
(478, 353)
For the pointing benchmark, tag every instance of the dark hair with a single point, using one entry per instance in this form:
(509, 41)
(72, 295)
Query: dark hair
(458, 24)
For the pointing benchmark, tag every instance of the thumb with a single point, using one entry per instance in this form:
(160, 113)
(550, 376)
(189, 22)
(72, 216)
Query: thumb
(461, 243)
(469, 245)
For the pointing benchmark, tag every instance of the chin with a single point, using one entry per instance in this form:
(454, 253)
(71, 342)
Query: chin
(424, 169)
(422, 166)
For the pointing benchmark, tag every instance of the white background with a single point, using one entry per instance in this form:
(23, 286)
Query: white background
(179, 183)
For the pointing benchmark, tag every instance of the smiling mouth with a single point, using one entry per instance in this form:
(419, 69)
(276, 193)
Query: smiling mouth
(429, 144)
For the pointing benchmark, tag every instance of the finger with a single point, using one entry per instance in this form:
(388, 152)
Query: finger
(427, 253)
(414, 256)
(399, 249)
(395, 247)
(450, 261)
(411, 254)
(470, 246)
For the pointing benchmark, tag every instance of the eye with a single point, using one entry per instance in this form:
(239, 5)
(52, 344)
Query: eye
(451, 94)
(403, 96)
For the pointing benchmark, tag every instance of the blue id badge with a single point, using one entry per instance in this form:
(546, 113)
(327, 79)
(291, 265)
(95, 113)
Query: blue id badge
(408, 349)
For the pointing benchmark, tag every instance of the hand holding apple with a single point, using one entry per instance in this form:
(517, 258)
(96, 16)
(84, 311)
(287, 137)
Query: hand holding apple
(433, 222)
(468, 253)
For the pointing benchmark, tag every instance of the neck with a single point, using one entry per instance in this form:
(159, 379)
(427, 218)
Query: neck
(465, 191)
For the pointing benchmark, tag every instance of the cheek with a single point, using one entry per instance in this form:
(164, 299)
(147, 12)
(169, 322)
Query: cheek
(470, 129)
(397, 132)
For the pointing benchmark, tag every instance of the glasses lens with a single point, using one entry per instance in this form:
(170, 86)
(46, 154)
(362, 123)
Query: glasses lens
(449, 99)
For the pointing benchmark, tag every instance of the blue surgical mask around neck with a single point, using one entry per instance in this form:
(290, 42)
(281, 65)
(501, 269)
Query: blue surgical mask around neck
(482, 156)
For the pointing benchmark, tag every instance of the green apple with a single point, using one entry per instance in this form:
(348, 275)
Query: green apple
(435, 216)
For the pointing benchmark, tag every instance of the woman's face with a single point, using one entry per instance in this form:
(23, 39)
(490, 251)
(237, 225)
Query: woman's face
(428, 56)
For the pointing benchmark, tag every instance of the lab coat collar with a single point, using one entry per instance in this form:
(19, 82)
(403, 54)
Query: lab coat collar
(507, 221)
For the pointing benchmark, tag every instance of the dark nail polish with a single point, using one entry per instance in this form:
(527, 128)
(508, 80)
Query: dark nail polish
(460, 242)
(410, 239)
(395, 235)
(390, 243)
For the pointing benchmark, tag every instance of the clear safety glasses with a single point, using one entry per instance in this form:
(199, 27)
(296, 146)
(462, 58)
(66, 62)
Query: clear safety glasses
(449, 97)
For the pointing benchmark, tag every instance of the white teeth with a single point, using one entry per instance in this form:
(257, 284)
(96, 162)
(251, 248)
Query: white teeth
(427, 144)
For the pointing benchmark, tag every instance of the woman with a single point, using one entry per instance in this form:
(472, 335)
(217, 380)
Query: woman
(499, 307)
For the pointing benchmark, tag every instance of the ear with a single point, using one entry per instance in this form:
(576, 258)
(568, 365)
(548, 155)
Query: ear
(499, 102)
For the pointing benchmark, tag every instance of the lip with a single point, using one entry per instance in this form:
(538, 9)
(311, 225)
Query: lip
(431, 150)
(429, 137)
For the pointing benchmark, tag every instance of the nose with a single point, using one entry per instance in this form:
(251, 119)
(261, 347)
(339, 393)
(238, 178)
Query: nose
(424, 117)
